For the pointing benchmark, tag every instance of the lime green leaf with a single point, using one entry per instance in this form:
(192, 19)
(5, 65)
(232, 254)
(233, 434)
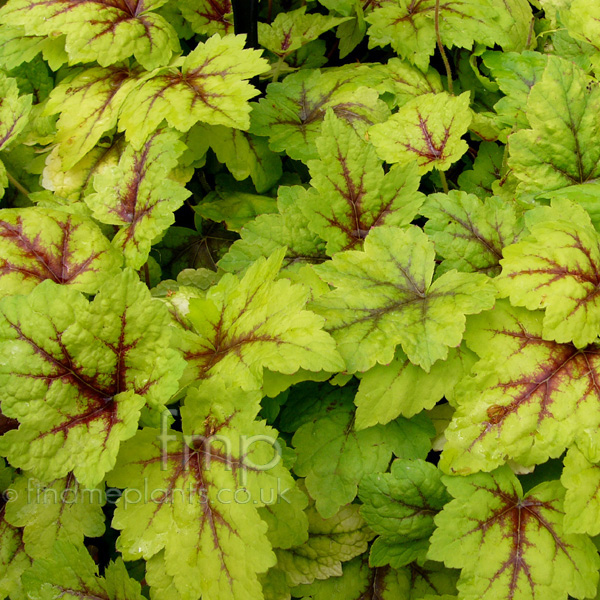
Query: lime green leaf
(38, 244)
(420, 581)
(292, 112)
(559, 149)
(16, 48)
(198, 494)
(581, 19)
(89, 102)
(293, 29)
(254, 322)
(408, 82)
(470, 233)
(98, 30)
(208, 16)
(527, 397)
(77, 374)
(384, 296)
(511, 545)
(557, 268)
(427, 129)
(14, 111)
(487, 169)
(350, 193)
(60, 510)
(69, 572)
(401, 388)
(286, 519)
(139, 196)
(211, 87)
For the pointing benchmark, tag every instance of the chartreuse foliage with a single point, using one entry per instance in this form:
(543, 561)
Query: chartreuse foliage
(308, 313)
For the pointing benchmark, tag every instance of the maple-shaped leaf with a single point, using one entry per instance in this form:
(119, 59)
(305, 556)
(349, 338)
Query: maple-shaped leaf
(211, 87)
(331, 541)
(527, 397)
(351, 193)
(244, 325)
(76, 374)
(427, 129)
(408, 82)
(581, 20)
(38, 244)
(89, 102)
(68, 571)
(98, 30)
(559, 149)
(334, 457)
(401, 388)
(198, 494)
(557, 267)
(292, 112)
(470, 234)
(510, 545)
(62, 509)
(384, 296)
(293, 29)
(208, 16)
(410, 27)
(139, 196)
(400, 506)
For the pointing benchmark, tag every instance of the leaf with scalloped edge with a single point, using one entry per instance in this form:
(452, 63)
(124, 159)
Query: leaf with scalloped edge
(38, 244)
(384, 296)
(557, 268)
(198, 494)
(105, 31)
(14, 110)
(486, 171)
(427, 129)
(408, 82)
(350, 192)
(89, 102)
(211, 87)
(76, 374)
(559, 149)
(62, 509)
(430, 580)
(470, 234)
(527, 398)
(69, 572)
(139, 196)
(255, 322)
(208, 16)
(509, 545)
(292, 112)
(581, 19)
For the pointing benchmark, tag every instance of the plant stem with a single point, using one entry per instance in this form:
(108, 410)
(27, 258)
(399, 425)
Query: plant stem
(17, 185)
(444, 181)
(441, 47)
(147, 274)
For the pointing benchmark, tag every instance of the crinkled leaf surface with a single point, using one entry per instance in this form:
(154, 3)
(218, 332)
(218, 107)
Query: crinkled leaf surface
(510, 545)
(470, 233)
(557, 267)
(76, 374)
(351, 193)
(38, 244)
(139, 196)
(427, 129)
(211, 87)
(384, 296)
(105, 31)
(208, 16)
(247, 324)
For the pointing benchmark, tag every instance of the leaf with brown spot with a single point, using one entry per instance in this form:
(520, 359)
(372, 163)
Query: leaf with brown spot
(512, 546)
(38, 244)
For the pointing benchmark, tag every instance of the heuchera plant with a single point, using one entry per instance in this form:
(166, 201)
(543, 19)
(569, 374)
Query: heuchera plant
(313, 319)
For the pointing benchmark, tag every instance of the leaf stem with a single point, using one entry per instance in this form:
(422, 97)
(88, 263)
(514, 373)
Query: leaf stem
(444, 181)
(147, 274)
(441, 47)
(18, 186)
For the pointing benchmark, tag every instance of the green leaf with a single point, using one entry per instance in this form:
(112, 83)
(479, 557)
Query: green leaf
(430, 580)
(384, 296)
(351, 193)
(511, 545)
(287, 521)
(208, 16)
(69, 572)
(139, 196)
(211, 87)
(247, 324)
(76, 374)
(427, 129)
(487, 169)
(292, 112)
(98, 30)
(14, 111)
(408, 82)
(59, 510)
(38, 244)
(471, 234)
(556, 268)
(559, 149)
